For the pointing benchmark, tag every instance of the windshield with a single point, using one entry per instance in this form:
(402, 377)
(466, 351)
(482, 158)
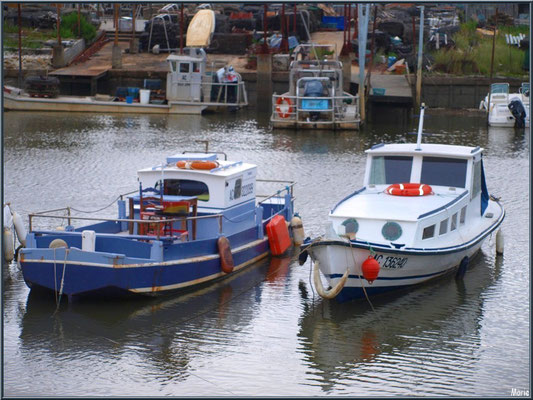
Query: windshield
(441, 171)
(386, 170)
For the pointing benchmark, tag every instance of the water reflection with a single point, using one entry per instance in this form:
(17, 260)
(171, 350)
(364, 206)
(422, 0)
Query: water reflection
(165, 332)
(345, 341)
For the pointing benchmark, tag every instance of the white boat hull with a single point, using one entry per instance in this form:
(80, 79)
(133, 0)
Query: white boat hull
(397, 269)
(15, 102)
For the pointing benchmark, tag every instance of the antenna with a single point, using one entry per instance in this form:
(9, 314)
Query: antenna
(420, 125)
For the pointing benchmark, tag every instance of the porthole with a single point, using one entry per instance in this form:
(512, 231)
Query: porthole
(391, 231)
(351, 225)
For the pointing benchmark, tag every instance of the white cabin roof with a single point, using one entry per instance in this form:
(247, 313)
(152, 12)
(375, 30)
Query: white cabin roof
(427, 149)
(375, 204)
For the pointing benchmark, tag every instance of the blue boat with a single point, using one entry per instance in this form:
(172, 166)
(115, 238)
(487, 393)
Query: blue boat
(195, 219)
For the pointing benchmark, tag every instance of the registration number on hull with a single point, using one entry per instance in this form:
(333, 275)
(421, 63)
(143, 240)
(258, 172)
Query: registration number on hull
(391, 262)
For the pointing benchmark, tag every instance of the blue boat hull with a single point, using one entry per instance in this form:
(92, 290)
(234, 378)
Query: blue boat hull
(75, 278)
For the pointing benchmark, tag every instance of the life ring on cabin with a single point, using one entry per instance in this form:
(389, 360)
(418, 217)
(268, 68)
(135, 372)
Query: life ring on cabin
(409, 189)
(279, 102)
(197, 164)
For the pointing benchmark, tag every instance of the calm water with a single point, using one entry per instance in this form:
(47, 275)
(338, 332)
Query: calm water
(263, 331)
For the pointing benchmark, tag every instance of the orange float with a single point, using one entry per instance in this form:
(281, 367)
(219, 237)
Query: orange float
(226, 258)
(197, 164)
(409, 189)
(370, 269)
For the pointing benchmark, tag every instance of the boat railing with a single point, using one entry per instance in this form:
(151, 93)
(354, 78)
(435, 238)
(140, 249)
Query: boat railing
(289, 188)
(218, 93)
(285, 107)
(160, 223)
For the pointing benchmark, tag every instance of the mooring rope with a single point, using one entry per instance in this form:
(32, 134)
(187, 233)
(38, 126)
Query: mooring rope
(100, 209)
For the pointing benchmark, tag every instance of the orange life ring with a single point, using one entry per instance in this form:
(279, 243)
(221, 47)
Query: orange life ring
(409, 189)
(278, 108)
(197, 164)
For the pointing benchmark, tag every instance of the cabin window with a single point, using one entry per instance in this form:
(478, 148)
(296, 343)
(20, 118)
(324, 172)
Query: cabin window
(186, 187)
(195, 67)
(463, 215)
(173, 66)
(386, 170)
(429, 232)
(476, 180)
(454, 222)
(184, 68)
(441, 171)
(443, 227)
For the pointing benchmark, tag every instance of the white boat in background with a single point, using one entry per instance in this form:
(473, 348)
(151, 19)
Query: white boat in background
(423, 212)
(316, 99)
(507, 109)
(192, 87)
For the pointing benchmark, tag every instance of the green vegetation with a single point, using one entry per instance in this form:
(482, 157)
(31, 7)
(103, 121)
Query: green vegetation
(69, 27)
(32, 39)
(473, 51)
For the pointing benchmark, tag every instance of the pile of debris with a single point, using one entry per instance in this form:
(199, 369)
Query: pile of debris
(29, 62)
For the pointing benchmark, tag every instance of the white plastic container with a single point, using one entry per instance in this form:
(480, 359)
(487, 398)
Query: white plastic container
(144, 96)
(88, 240)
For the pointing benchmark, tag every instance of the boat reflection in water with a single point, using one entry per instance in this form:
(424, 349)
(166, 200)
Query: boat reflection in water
(437, 324)
(165, 332)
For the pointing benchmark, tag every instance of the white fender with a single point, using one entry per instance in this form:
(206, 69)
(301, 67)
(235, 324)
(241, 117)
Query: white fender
(298, 234)
(499, 242)
(19, 228)
(333, 292)
(8, 244)
(8, 218)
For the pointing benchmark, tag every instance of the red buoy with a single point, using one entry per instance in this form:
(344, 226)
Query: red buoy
(370, 269)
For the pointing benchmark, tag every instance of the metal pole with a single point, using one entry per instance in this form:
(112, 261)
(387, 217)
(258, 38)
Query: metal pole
(363, 31)
(20, 44)
(58, 23)
(371, 52)
(492, 57)
(116, 24)
(419, 66)
(181, 29)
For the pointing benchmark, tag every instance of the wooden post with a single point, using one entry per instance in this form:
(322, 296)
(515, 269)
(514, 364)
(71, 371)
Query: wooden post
(181, 29)
(294, 20)
(134, 11)
(265, 27)
(116, 24)
(79, 20)
(419, 66)
(58, 23)
(284, 45)
(363, 32)
(20, 44)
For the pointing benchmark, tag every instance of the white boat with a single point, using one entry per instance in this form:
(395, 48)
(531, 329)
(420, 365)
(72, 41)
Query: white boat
(191, 89)
(316, 99)
(507, 109)
(424, 210)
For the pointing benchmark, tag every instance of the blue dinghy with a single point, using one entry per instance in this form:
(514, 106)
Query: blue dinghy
(195, 219)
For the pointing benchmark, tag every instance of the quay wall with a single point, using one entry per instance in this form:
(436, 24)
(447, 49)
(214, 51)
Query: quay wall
(437, 92)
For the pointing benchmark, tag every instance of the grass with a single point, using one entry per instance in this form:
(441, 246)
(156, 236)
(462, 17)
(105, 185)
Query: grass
(33, 38)
(473, 51)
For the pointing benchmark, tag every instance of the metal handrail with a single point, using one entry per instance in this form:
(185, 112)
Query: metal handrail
(140, 221)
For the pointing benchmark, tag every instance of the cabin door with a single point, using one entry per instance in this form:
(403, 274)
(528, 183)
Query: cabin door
(196, 82)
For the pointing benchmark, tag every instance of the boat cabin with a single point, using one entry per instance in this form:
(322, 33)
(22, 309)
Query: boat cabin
(456, 193)
(186, 72)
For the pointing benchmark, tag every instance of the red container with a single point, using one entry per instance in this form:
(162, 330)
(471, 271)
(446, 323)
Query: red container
(278, 235)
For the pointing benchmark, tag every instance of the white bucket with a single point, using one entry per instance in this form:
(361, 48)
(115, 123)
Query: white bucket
(145, 96)
(88, 240)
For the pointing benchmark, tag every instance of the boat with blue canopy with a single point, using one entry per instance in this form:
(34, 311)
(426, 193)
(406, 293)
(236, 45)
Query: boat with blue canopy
(195, 219)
